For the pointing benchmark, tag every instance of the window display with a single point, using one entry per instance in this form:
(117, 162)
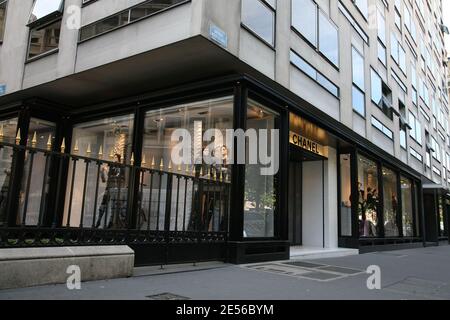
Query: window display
(260, 191)
(368, 197)
(407, 207)
(346, 196)
(108, 139)
(8, 130)
(196, 118)
(390, 204)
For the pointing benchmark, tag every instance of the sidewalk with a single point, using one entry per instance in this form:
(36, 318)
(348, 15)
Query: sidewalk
(407, 274)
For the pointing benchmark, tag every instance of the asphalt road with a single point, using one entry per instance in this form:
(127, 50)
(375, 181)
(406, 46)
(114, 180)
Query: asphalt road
(407, 274)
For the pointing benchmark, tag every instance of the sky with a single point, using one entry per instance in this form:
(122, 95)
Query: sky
(446, 9)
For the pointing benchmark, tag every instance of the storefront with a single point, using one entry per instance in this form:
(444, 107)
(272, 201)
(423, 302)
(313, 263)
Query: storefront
(380, 205)
(104, 175)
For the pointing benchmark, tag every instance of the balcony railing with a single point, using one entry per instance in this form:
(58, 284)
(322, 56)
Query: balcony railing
(52, 198)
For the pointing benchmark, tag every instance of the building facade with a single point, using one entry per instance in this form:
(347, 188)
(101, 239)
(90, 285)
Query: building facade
(91, 92)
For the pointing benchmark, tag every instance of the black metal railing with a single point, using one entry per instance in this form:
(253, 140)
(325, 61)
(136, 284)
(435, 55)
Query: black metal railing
(53, 198)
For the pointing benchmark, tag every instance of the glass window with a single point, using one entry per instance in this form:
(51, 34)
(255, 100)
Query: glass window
(381, 27)
(259, 18)
(363, 7)
(346, 195)
(358, 68)
(41, 135)
(44, 39)
(108, 139)
(358, 101)
(390, 204)
(368, 197)
(44, 8)
(377, 90)
(328, 39)
(382, 53)
(260, 191)
(304, 19)
(8, 130)
(3, 5)
(158, 151)
(407, 207)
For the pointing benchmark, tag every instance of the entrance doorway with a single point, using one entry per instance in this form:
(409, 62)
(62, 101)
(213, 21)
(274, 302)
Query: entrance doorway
(306, 205)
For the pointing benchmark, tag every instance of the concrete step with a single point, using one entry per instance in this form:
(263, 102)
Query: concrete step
(27, 267)
(304, 253)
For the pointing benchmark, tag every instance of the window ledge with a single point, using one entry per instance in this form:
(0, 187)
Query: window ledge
(42, 55)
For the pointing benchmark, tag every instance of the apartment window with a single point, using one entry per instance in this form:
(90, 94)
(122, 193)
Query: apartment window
(328, 39)
(398, 53)
(3, 5)
(382, 53)
(380, 126)
(381, 94)
(45, 26)
(358, 88)
(381, 27)
(316, 27)
(416, 155)
(398, 21)
(416, 128)
(304, 19)
(315, 75)
(403, 124)
(44, 39)
(436, 152)
(363, 7)
(259, 17)
(122, 18)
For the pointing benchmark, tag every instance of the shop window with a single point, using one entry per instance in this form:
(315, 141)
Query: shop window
(346, 195)
(8, 130)
(260, 190)
(259, 17)
(33, 193)
(193, 121)
(3, 6)
(390, 204)
(368, 203)
(45, 26)
(110, 141)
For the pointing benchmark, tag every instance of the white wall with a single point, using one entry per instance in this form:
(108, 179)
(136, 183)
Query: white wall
(319, 205)
(312, 204)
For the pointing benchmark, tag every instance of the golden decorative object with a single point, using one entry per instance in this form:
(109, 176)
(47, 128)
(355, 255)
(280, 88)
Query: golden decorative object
(144, 161)
(132, 159)
(161, 165)
(49, 142)
(18, 137)
(153, 162)
(2, 133)
(100, 152)
(63, 145)
(111, 154)
(76, 148)
(179, 168)
(89, 149)
(170, 165)
(34, 140)
(187, 169)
